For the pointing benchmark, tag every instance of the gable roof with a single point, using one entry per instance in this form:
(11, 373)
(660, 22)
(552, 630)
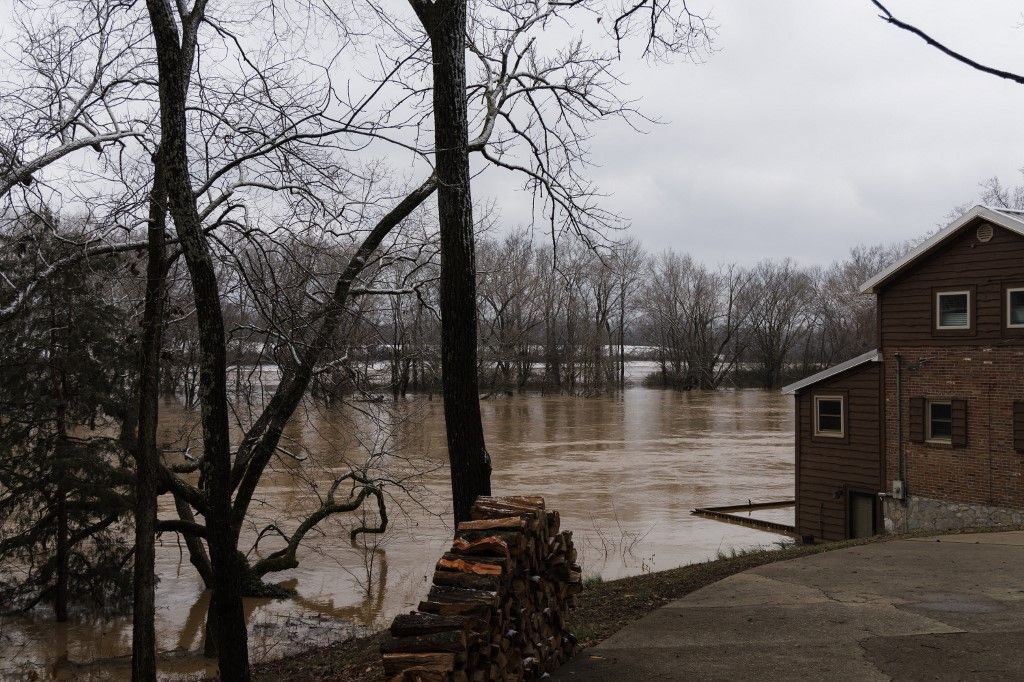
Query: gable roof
(870, 356)
(1009, 219)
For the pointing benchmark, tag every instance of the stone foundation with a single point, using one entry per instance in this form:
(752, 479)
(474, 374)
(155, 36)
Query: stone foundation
(928, 514)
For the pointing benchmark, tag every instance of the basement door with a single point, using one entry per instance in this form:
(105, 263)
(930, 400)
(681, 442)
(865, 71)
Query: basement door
(861, 515)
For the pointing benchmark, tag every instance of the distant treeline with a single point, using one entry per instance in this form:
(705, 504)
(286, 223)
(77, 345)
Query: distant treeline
(568, 319)
(557, 318)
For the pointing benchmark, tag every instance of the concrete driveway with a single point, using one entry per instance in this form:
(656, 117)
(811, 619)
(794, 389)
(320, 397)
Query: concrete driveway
(949, 608)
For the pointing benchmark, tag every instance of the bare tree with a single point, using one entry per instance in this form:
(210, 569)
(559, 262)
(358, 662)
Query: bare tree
(628, 261)
(502, 37)
(249, 153)
(147, 457)
(778, 298)
(509, 311)
(65, 91)
(445, 24)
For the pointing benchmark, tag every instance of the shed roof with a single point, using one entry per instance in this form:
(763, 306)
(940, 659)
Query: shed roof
(870, 356)
(1010, 219)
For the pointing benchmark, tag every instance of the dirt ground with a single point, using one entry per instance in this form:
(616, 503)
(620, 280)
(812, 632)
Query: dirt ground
(602, 609)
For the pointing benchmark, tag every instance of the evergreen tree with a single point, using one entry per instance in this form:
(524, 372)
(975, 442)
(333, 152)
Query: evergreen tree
(65, 475)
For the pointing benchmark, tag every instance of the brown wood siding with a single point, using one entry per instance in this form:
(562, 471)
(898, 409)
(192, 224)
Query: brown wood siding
(907, 303)
(828, 468)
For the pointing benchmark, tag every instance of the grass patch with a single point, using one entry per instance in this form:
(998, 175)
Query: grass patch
(352, 660)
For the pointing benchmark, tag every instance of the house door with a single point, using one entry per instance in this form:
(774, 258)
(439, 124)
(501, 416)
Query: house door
(862, 515)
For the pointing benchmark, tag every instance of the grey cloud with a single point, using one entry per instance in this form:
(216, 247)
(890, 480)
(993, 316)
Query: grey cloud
(814, 128)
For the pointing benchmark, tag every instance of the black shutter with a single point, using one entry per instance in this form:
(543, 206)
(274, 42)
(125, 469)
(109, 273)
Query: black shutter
(1018, 425)
(917, 420)
(959, 412)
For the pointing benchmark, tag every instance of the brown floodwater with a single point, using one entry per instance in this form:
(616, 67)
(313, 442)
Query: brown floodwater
(623, 471)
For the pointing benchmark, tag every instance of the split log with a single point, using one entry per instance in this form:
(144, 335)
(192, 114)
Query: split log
(453, 641)
(467, 581)
(425, 623)
(513, 523)
(481, 565)
(489, 545)
(419, 674)
(396, 663)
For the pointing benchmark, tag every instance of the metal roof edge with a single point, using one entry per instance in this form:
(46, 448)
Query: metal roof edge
(871, 356)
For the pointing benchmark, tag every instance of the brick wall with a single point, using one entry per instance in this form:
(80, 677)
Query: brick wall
(987, 471)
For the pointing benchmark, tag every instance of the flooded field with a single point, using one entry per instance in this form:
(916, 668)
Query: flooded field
(624, 472)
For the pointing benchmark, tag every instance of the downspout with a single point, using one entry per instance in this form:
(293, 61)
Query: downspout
(901, 465)
(901, 455)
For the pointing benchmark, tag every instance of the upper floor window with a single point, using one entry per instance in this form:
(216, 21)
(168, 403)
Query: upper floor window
(1015, 308)
(953, 310)
(828, 416)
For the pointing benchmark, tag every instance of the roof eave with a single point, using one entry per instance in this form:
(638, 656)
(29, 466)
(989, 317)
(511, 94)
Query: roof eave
(797, 386)
(984, 212)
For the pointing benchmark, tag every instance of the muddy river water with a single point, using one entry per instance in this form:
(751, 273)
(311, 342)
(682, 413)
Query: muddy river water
(624, 471)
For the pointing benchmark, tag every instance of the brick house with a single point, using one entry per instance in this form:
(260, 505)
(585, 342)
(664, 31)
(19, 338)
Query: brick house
(926, 431)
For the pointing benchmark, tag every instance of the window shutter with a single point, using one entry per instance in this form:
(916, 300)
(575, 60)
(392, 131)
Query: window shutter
(917, 420)
(1018, 425)
(959, 434)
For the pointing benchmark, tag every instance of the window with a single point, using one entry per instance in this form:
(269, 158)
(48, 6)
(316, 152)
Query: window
(1015, 308)
(828, 416)
(940, 421)
(953, 310)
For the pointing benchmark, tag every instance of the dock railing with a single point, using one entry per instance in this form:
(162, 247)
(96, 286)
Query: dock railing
(727, 514)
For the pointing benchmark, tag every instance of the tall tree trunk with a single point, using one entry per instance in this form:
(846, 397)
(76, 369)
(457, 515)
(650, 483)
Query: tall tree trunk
(445, 23)
(174, 64)
(146, 457)
(60, 602)
(622, 337)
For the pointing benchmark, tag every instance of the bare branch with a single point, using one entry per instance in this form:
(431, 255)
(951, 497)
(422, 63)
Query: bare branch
(888, 17)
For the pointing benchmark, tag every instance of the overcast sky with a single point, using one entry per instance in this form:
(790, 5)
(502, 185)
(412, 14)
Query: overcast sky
(814, 128)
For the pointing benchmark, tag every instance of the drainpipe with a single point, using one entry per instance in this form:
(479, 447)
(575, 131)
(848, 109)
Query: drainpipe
(899, 414)
(901, 457)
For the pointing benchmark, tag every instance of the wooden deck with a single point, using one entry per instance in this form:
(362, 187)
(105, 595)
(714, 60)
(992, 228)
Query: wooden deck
(726, 514)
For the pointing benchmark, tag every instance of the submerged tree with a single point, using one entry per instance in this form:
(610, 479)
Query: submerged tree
(778, 296)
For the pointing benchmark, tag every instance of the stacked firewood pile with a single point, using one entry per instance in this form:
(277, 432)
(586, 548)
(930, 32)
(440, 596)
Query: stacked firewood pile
(497, 608)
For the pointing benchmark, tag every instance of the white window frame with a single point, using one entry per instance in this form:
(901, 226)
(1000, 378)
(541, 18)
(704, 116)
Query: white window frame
(938, 310)
(1009, 309)
(842, 417)
(928, 422)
